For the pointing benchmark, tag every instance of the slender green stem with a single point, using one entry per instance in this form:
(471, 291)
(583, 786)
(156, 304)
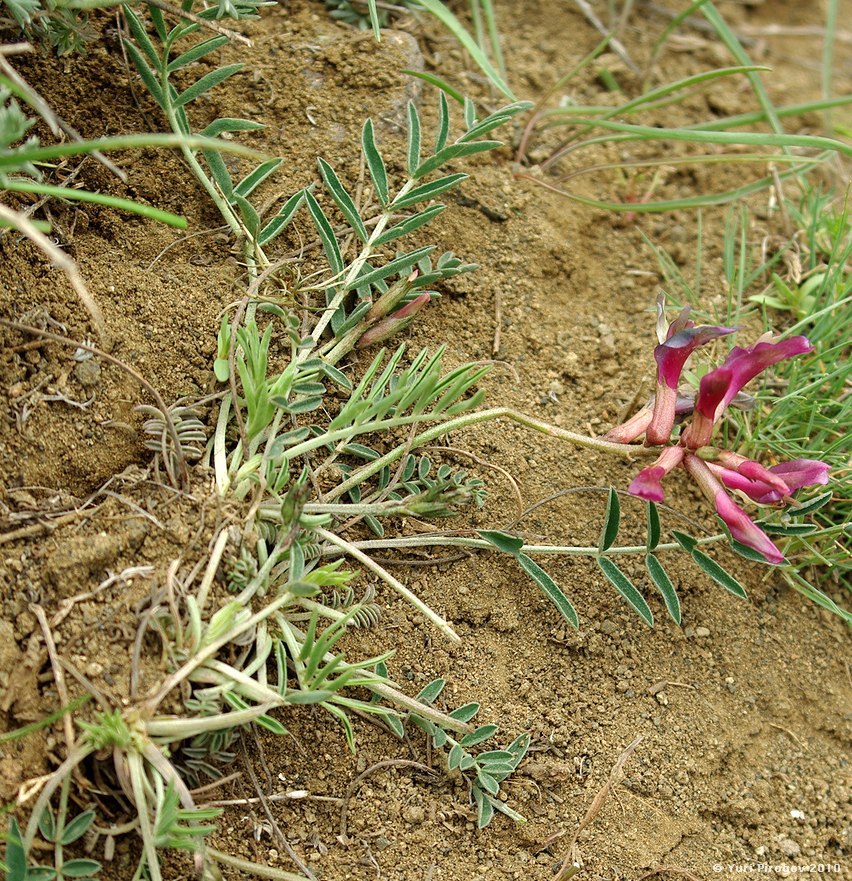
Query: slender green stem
(429, 539)
(398, 586)
(137, 782)
(257, 870)
(352, 273)
(77, 755)
(466, 421)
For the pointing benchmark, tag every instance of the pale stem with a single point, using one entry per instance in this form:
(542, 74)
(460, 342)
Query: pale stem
(398, 586)
(134, 761)
(210, 571)
(257, 870)
(352, 274)
(460, 422)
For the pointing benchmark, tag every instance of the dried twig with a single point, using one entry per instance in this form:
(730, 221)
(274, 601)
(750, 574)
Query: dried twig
(614, 42)
(356, 783)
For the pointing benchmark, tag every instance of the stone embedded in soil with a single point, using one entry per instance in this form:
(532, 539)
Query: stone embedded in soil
(790, 848)
(88, 372)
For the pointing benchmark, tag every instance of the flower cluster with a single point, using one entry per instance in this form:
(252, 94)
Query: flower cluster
(713, 469)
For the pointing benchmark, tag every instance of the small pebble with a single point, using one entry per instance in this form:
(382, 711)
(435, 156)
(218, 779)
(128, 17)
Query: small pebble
(88, 372)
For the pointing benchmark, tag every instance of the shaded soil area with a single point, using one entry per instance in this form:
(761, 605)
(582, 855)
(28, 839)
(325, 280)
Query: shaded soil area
(744, 712)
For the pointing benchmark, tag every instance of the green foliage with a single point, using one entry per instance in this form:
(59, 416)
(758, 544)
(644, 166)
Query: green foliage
(484, 771)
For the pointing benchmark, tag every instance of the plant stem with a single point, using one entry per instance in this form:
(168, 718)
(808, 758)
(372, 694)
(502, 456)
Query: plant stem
(398, 586)
(433, 540)
(352, 274)
(464, 421)
(255, 869)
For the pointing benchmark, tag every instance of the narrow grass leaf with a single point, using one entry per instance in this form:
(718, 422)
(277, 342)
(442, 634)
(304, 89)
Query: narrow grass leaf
(326, 234)
(612, 521)
(196, 52)
(550, 588)
(718, 574)
(664, 584)
(342, 199)
(439, 83)
(469, 113)
(429, 191)
(207, 82)
(449, 20)
(653, 526)
(271, 724)
(622, 584)
(251, 220)
(409, 225)
(375, 163)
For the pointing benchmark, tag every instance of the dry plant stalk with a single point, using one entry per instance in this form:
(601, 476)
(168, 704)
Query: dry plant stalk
(571, 865)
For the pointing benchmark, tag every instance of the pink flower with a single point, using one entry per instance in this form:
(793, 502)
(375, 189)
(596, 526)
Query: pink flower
(648, 482)
(671, 356)
(720, 386)
(741, 526)
(796, 473)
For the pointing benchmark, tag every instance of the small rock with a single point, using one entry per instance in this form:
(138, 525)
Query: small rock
(88, 372)
(702, 632)
(413, 814)
(790, 848)
(608, 626)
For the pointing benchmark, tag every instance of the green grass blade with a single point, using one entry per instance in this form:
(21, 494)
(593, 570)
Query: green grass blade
(449, 20)
(342, 199)
(21, 186)
(439, 83)
(197, 52)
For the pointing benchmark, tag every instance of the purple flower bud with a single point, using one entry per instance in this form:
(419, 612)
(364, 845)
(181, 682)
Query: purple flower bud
(648, 482)
(796, 474)
(393, 323)
(754, 489)
(628, 431)
(720, 386)
(752, 470)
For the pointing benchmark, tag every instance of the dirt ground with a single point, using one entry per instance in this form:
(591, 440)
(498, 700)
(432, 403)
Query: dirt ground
(744, 712)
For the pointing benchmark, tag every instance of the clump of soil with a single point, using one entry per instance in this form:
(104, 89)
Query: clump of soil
(743, 712)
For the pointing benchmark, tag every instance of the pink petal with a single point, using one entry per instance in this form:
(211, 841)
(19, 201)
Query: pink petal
(672, 354)
(744, 530)
(628, 431)
(648, 482)
(719, 387)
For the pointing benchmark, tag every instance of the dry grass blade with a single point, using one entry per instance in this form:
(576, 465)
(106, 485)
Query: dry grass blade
(570, 867)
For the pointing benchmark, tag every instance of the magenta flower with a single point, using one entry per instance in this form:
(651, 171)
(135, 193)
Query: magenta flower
(720, 386)
(793, 474)
(682, 338)
(741, 526)
(648, 482)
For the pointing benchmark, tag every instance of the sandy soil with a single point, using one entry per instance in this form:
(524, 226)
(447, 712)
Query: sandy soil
(743, 712)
